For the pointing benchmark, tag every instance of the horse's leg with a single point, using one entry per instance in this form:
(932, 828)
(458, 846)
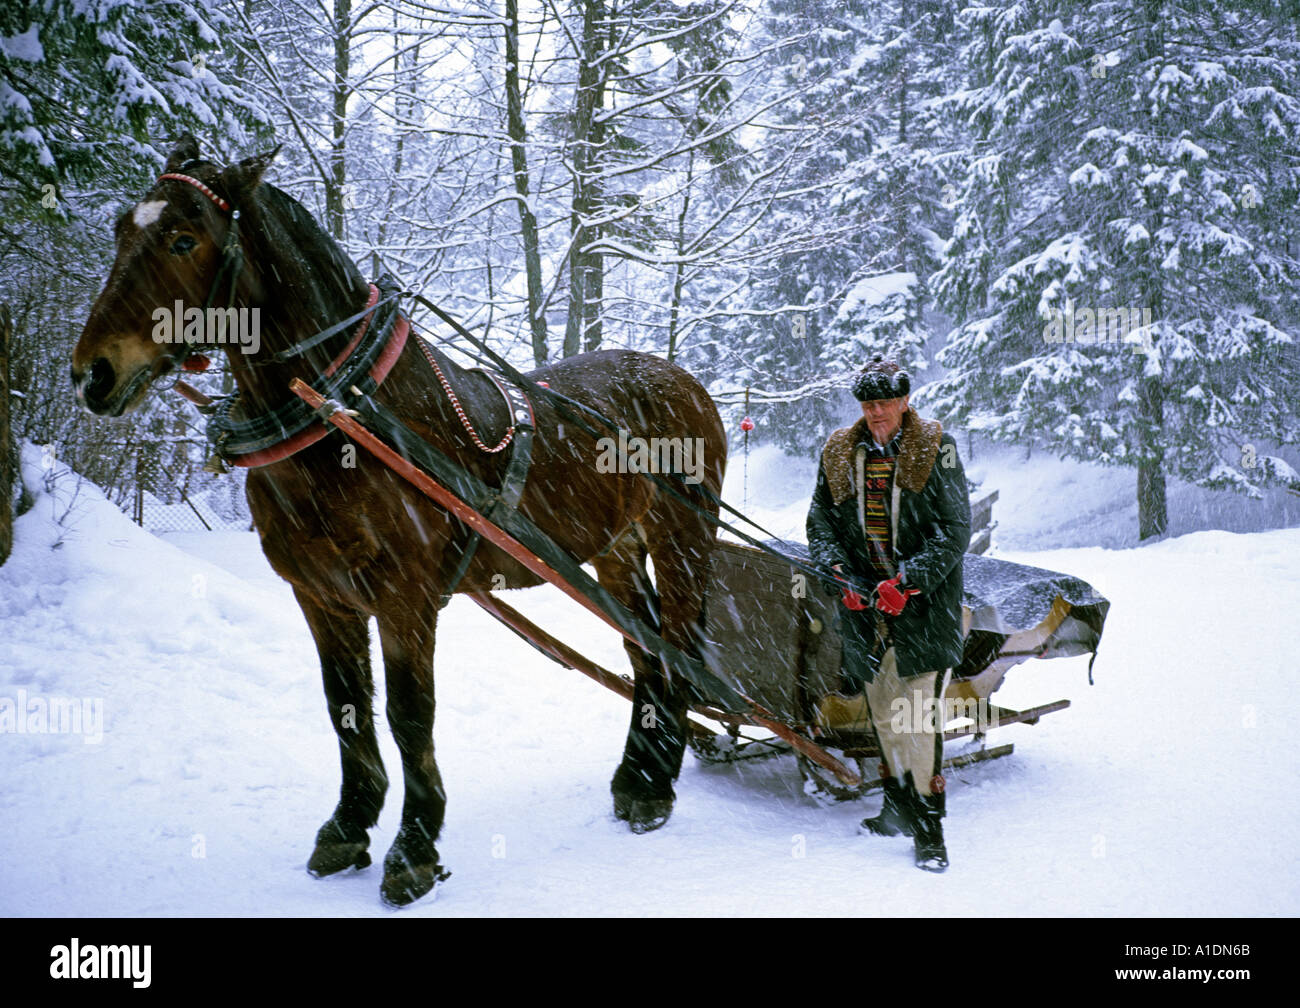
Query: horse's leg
(681, 545)
(411, 868)
(643, 783)
(343, 642)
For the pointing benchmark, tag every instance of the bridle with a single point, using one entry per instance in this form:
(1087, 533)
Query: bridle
(232, 264)
(358, 369)
(232, 250)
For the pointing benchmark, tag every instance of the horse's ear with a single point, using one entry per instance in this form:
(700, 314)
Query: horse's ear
(243, 177)
(186, 149)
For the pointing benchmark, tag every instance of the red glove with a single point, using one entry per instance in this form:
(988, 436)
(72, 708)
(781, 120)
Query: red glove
(852, 600)
(889, 599)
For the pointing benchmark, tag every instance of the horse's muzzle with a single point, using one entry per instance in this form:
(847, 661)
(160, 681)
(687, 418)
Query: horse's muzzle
(94, 388)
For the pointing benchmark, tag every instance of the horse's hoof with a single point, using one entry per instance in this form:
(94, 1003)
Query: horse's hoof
(642, 814)
(327, 859)
(405, 883)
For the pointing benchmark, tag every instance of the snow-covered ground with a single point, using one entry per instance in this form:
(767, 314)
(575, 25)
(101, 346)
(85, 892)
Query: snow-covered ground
(198, 786)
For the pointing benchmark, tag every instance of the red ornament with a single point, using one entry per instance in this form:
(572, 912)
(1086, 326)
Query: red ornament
(196, 362)
(747, 425)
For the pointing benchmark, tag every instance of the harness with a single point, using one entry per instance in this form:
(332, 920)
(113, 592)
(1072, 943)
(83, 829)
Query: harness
(589, 420)
(351, 378)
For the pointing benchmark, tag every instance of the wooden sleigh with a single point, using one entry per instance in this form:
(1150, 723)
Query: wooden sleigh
(784, 634)
(775, 649)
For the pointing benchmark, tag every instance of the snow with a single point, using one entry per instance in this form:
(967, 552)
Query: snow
(877, 291)
(1161, 791)
(25, 46)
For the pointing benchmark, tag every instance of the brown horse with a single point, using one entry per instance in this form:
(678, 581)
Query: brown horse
(355, 541)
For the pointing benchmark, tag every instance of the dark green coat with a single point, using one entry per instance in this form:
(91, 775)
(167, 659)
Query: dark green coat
(933, 532)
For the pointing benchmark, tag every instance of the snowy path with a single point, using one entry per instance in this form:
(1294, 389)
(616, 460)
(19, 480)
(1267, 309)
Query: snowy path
(1164, 790)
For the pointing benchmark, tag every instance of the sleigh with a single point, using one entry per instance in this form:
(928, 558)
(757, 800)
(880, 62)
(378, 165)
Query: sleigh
(782, 645)
(781, 636)
(773, 651)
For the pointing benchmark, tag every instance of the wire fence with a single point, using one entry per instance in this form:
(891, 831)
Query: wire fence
(161, 483)
(181, 496)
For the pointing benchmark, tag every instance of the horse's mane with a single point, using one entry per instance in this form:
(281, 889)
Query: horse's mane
(303, 230)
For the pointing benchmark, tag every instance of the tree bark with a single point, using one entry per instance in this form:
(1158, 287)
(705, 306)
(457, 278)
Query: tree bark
(519, 162)
(337, 179)
(8, 452)
(1153, 512)
(674, 312)
(582, 328)
(1153, 508)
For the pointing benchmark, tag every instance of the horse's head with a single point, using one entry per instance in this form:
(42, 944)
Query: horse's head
(169, 256)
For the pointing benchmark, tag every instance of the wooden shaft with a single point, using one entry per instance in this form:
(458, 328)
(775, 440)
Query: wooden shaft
(564, 654)
(558, 650)
(445, 498)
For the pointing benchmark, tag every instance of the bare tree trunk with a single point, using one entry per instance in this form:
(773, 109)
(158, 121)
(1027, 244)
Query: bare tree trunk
(902, 84)
(582, 328)
(10, 469)
(1153, 510)
(405, 103)
(519, 162)
(675, 309)
(339, 113)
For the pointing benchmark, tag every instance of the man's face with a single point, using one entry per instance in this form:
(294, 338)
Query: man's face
(884, 417)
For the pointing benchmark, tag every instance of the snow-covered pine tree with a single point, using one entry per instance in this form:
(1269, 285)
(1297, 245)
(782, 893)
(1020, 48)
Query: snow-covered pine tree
(902, 184)
(1123, 290)
(91, 97)
(794, 294)
(91, 93)
(870, 191)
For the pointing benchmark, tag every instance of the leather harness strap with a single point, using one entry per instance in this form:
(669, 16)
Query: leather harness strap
(520, 425)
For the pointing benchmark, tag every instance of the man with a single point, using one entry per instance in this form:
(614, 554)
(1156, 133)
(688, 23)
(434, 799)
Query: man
(892, 511)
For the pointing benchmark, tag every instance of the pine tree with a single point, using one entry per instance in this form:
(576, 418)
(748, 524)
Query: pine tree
(870, 190)
(90, 94)
(910, 59)
(1124, 291)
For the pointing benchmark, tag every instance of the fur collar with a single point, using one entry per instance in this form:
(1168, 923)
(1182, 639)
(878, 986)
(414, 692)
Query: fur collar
(916, 454)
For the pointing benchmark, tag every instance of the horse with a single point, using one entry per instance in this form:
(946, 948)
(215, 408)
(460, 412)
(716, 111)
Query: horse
(356, 542)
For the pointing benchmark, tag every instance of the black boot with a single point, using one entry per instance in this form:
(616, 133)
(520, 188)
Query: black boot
(927, 816)
(893, 818)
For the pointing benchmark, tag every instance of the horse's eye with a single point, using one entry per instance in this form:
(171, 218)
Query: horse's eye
(183, 245)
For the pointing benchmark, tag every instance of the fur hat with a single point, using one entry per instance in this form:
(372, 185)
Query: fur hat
(881, 379)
